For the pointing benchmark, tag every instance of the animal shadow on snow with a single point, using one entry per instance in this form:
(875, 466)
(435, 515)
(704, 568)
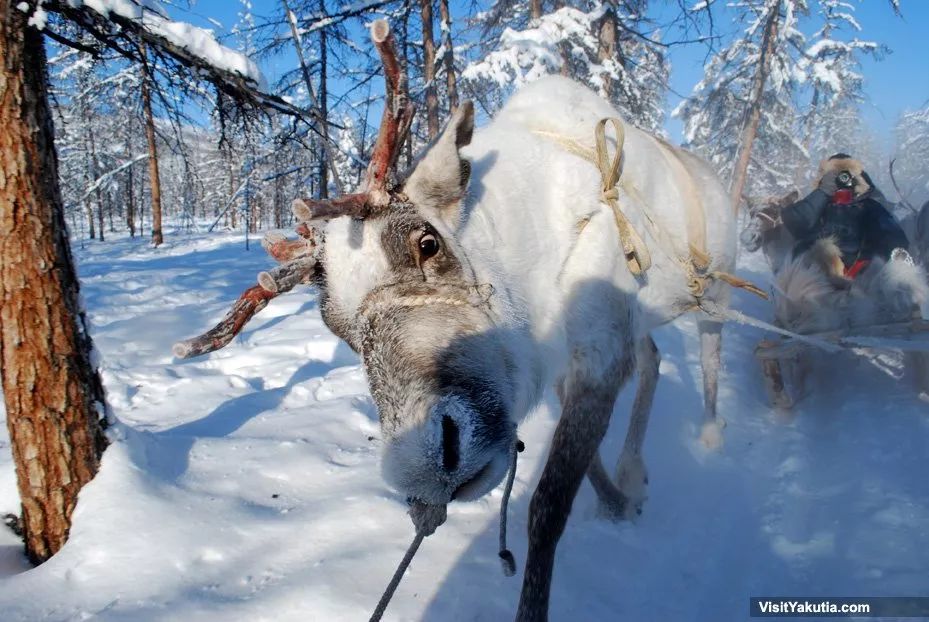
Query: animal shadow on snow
(834, 503)
(606, 570)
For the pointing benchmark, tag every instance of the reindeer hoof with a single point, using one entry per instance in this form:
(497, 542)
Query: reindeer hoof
(632, 481)
(711, 435)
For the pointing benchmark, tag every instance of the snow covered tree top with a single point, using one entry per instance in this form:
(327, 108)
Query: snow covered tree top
(146, 19)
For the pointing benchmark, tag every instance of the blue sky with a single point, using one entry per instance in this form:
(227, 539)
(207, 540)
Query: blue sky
(897, 83)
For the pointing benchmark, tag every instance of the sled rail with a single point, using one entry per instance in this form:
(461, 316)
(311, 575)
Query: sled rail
(903, 336)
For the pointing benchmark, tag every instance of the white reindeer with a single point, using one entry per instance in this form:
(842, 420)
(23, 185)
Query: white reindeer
(494, 270)
(453, 371)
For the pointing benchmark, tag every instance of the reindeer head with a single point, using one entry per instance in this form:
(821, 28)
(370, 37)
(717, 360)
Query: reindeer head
(764, 219)
(398, 288)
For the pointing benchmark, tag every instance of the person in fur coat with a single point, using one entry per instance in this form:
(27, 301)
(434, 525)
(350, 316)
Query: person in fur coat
(850, 265)
(846, 207)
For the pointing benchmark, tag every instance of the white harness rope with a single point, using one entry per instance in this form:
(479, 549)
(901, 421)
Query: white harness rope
(695, 262)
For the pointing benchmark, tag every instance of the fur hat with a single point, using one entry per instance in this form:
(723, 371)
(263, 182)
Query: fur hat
(844, 162)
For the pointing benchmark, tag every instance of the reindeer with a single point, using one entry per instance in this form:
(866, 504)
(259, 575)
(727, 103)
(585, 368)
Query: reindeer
(765, 229)
(493, 269)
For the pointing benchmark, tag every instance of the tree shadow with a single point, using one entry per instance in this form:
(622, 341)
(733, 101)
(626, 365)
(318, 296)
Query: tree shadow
(606, 570)
(167, 453)
(13, 560)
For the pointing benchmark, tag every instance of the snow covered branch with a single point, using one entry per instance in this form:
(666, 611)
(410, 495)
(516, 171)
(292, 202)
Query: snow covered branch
(124, 25)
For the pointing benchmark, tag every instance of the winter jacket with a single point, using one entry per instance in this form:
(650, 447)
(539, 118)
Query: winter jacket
(863, 229)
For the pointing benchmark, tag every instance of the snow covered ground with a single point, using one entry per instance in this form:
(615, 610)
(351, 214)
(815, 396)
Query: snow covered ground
(244, 485)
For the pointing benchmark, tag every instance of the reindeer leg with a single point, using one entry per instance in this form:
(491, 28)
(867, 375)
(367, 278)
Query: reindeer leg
(612, 502)
(711, 333)
(631, 475)
(916, 367)
(624, 500)
(589, 393)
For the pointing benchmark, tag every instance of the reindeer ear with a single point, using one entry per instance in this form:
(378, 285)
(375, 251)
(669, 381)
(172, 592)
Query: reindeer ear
(439, 179)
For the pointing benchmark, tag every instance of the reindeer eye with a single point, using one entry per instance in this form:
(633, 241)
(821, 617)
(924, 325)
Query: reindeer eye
(428, 245)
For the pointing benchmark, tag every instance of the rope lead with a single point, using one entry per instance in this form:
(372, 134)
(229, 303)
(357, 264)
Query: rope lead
(395, 580)
(427, 518)
(506, 556)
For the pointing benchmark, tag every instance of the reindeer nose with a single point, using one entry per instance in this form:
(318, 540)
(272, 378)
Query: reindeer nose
(450, 443)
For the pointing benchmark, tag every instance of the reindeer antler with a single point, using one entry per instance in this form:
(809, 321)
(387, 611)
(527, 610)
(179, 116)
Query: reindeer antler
(374, 194)
(297, 265)
(297, 257)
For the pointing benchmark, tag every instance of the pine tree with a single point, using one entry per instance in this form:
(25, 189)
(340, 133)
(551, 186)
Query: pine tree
(741, 116)
(832, 122)
(53, 395)
(774, 101)
(912, 152)
(586, 43)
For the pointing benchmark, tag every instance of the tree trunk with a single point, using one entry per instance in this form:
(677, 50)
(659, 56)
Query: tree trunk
(451, 80)
(607, 35)
(141, 213)
(51, 390)
(91, 227)
(321, 106)
(324, 105)
(535, 9)
(130, 179)
(130, 198)
(753, 118)
(94, 175)
(154, 179)
(100, 224)
(403, 40)
(233, 210)
(432, 100)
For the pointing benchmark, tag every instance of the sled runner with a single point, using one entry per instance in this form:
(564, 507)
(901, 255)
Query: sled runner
(782, 360)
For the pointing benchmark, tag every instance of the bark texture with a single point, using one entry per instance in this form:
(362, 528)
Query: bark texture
(607, 35)
(154, 178)
(451, 80)
(50, 387)
(753, 116)
(323, 106)
(432, 99)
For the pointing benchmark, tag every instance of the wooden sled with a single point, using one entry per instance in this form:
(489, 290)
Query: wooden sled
(782, 360)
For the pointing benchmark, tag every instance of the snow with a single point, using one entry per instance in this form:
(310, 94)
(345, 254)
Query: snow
(245, 485)
(542, 48)
(198, 41)
(39, 17)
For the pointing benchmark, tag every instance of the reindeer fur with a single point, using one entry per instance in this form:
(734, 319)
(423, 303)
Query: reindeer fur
(838, 165)
(814, 295)
(521, 217)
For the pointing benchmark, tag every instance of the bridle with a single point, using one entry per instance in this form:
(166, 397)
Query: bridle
(403, 294)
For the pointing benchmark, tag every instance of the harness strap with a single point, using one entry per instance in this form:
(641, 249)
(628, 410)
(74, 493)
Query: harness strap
(696, 262)
(694, 214)
(634, 248)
